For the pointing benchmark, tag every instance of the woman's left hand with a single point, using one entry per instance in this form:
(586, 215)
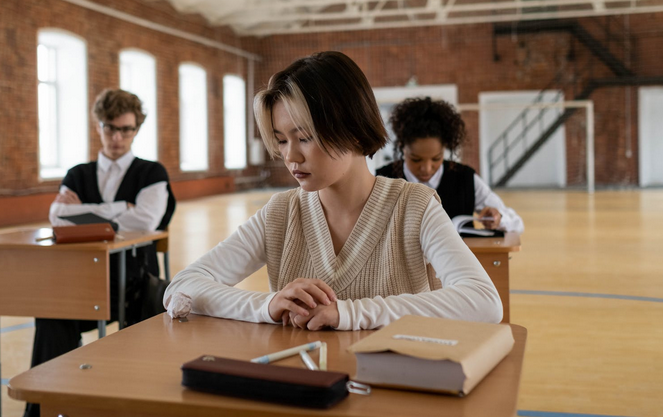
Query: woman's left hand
(320, 317)
(490, 212)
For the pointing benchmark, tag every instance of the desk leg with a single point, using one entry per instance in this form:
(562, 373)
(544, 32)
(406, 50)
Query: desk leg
(166, 265)
(101, 328)
(122, 267)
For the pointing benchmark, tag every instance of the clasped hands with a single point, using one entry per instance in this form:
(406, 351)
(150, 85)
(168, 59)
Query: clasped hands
(305, 303)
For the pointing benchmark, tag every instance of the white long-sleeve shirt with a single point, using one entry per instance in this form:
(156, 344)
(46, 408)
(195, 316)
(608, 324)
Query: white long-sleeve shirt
(150, 207)
(467, 292)
(483, 197)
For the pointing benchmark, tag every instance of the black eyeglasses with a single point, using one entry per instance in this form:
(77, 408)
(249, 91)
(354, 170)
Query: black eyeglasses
(125, 131)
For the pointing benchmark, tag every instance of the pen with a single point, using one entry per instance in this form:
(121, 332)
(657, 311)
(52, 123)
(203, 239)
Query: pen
(272, 357)
(323, 357)
(485, 219)
(308, 361)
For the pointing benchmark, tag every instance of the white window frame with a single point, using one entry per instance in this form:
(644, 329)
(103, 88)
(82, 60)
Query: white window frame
(194, 131)
(138, 75)
(62, 102)
(234, 122)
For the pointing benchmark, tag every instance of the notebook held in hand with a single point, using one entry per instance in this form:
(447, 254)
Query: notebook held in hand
(83, 233)
(273, 383)
(89, 218)
(464, 225)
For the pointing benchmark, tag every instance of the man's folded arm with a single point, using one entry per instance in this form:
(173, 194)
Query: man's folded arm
(105, 210)
(146, 214)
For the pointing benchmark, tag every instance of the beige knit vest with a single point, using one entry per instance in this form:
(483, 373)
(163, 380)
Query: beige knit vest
(381, 257)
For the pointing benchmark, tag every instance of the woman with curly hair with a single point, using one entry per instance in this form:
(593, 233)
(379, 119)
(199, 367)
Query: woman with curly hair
(424, 130)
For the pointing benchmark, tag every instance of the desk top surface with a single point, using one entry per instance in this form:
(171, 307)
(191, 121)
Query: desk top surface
(509, 243)
(137, 371)
(29, 239)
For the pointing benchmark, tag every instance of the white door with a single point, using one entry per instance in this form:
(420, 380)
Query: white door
(388, 97)
(547, 167)
(650, 138)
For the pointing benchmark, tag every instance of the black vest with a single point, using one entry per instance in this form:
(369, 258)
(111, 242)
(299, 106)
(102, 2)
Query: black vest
(456, 189)
(82, 179)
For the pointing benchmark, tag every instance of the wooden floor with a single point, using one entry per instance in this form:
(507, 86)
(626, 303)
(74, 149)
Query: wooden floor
(588, 285)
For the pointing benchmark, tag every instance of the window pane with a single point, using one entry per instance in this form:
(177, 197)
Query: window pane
(46, 63)
(234, 122)
(48, 146)
(62, 102)
(193, 118)
(138, 75)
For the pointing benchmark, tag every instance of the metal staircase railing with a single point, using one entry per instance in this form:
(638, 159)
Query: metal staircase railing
(514, 138)
(531, 149)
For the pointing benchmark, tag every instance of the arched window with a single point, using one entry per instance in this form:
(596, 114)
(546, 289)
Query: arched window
(193, 118)
(62, 102)
(138, 74)
(234, 122)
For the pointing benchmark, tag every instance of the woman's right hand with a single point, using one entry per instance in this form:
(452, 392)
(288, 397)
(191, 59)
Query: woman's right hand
(309, 292)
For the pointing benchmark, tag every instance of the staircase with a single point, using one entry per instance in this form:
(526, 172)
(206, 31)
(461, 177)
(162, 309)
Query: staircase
(513, 138)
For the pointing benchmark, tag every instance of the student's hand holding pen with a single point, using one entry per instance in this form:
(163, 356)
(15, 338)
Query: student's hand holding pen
(310, 292)
(490, 217)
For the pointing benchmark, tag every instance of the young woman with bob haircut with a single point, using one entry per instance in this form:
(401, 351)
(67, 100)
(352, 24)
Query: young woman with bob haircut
(346, 250)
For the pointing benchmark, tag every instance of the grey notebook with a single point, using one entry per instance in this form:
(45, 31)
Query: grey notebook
(89, 218)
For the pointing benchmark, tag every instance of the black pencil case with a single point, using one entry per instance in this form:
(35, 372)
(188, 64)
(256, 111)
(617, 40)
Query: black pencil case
(272, 383)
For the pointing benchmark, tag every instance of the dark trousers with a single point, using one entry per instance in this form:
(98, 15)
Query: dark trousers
(53, 338)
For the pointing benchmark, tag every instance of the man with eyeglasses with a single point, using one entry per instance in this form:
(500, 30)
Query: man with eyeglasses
(131, 192)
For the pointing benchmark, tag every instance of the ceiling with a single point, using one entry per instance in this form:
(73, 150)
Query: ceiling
(268, 17)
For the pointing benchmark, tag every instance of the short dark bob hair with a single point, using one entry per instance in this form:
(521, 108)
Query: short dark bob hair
(328, 97)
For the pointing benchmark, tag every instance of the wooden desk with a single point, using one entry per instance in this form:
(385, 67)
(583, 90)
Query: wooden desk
(493, 253)
(65, 281)
(39, 278)
(136, 372)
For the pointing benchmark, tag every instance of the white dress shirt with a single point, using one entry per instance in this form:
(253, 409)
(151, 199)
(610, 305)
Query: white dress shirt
(467, 292)
(483, 197)
(151, 201)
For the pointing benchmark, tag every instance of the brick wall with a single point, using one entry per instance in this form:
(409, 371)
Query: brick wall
(464, 55)
(105, 37)
(461, 55)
